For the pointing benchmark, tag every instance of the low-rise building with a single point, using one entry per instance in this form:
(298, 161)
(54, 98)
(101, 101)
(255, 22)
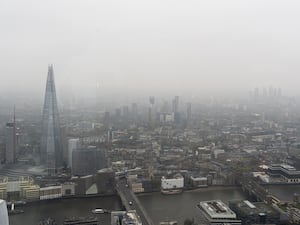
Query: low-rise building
(215, 212)
(68, 189)
(287, 173)
(255, 213)
(199, 181)
(172, 185)
(20, 189)
(51, 192)
(125, 218)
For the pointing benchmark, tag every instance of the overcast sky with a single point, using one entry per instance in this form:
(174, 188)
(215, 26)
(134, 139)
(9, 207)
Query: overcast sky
(149, 45)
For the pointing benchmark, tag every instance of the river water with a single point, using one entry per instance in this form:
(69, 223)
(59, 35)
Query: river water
(66, 208)
(159, 207)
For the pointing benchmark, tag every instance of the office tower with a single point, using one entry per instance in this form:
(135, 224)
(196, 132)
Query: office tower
(73, 144)
(51, 143)
(188, 111)
(152, 100)
(125, 112)
(11, 142)
(117, 114)
(271, 91)
(87, 161)
(215, 212)
(256, 93)
(175, 104)
(149, 114)
(279, 92)
(151, 109)
(106, 119)
(134, 111)
(110, 135)
(3, 213)
(265, 92)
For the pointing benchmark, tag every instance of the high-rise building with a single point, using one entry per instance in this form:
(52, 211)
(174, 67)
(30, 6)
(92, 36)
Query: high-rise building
(125, 111)
(87, 161)
(134, 111)
(106, 119)
(188, 111)
(151, 109)
(3, 213)
(110, 135)
(73, 144)
(175, 104)
(51, 144)
(10, 150)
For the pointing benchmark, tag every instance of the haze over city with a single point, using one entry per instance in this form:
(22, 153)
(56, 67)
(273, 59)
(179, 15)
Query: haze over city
(132, 47)
(134, 112)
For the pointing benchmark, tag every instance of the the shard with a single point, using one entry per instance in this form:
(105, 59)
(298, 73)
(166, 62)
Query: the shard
(51, 143)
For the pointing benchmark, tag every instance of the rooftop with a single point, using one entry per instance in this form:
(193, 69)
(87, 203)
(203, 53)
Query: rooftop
(247, 207)
(216, 209)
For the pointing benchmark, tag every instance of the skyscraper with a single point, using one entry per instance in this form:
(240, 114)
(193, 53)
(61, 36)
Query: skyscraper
(10, 151)
(51, 144)
(175, 108)
(188, 111)
(11, 146)
(73, 144)
(175, 104)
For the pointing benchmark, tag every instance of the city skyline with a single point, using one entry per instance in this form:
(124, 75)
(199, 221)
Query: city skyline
(159, 112)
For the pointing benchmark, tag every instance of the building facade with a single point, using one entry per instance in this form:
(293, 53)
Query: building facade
(10, 150)
(51, 144)
(3, 213)
(87, 161)
(286, 173)
(73, 144)
(215, 212)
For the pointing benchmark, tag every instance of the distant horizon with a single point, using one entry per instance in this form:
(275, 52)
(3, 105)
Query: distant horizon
(151, 47)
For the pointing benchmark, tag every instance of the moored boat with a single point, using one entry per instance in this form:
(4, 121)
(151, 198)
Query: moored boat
(98, 211)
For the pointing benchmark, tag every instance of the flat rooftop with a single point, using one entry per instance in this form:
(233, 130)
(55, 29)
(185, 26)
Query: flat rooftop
(216, 209)
(284, 166)
(255, 208)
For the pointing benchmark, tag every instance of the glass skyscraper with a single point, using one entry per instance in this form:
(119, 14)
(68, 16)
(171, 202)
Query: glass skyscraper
(51, 144)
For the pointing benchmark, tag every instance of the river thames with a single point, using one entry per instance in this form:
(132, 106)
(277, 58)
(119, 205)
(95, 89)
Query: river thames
(159, 207)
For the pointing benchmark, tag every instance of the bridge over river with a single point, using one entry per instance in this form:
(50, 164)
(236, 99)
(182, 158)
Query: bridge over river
(131, 202)
(253, 188)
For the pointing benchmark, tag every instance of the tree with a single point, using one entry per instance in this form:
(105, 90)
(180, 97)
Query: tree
(189, 222)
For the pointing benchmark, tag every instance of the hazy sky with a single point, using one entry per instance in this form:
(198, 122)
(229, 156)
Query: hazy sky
(149, 45)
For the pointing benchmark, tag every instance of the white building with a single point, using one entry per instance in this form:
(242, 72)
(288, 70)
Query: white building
(51, 192)
(3, 213)
(172, 183)
(215, 212)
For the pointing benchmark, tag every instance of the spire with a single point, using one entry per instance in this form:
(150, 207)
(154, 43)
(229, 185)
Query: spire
(51, 144)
